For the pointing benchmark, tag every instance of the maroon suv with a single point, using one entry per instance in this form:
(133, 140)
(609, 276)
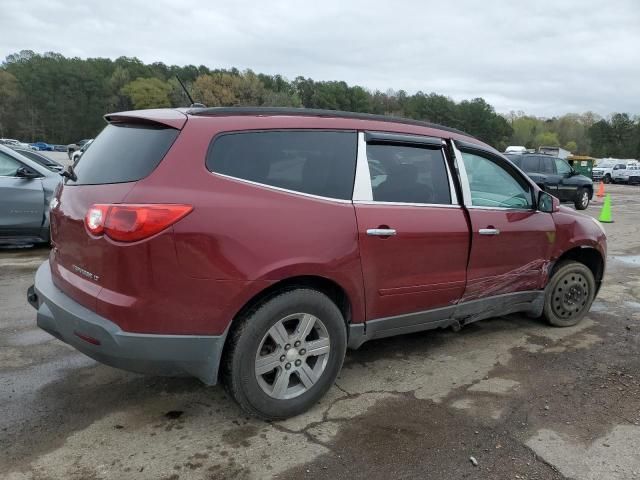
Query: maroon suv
(255, 245)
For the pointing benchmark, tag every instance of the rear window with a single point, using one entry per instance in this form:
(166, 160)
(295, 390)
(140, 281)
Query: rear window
(124, 153)
(315, 162)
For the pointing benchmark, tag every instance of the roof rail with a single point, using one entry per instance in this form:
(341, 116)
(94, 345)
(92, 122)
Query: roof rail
(314, 112)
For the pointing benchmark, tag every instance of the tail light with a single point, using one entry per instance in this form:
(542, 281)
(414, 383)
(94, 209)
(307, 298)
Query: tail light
(132, 222)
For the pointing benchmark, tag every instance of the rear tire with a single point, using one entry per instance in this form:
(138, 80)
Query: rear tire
(581, 201)
(569, 294)
(285, 354)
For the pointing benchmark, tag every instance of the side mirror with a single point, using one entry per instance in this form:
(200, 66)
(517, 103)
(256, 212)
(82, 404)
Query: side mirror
(24, 172)
(547, 203)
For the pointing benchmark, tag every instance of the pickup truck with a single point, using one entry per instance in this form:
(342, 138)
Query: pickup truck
(556, 176)
(629, 173)
(604, 171)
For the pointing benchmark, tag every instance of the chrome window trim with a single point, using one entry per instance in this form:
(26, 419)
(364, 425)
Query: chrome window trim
(280, 189)
(511, 209)
(362, 189)
(462, 172)
(406, 204)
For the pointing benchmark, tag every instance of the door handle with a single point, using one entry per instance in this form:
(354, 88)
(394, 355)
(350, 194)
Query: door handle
(381, 232)
(489, 231)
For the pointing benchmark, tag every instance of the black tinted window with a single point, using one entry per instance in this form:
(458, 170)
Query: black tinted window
(546, 165)
(408, 174)
(530, 163)
(124, 153)
(319, 163)
(515, 159)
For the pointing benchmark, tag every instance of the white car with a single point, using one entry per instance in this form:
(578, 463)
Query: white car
(75, 156)
(10, 142)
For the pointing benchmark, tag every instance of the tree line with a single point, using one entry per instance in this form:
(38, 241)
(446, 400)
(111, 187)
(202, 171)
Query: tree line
(59, 99)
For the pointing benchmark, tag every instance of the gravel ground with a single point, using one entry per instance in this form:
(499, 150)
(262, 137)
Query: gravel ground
(525, 401)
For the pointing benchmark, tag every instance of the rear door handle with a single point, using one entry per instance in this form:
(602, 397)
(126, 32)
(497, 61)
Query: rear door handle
(381, 232)
(489, 231)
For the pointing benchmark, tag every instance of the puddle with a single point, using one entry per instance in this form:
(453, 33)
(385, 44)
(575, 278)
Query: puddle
(628, 259)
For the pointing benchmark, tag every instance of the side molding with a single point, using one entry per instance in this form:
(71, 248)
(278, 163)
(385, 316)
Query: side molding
(455, 316)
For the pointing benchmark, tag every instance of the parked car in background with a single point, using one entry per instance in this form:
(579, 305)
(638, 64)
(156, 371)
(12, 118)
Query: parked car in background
(628, 173)
(40, 159)
(26, 189)
(10, 142)
(72, 147)
(515, 149)
(60, 148)
(633, 172)
(75, 156)
(556, 176)
(603, 171)
(41, 146)
(252, 245)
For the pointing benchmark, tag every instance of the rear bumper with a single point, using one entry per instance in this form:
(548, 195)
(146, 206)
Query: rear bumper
(104, 341)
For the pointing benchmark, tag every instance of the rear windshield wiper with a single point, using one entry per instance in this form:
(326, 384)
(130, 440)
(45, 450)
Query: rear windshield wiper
(70, 174)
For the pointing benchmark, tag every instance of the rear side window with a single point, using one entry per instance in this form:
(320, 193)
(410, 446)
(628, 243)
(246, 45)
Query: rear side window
(124, 153)
(315, 162)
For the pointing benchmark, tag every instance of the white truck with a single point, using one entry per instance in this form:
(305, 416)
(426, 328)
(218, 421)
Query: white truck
(629, 173)
(605, 168)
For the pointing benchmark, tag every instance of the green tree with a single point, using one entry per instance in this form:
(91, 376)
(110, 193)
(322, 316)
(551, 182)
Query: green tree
(148, 93)
(9, 98)
(572, 146)
(548, 139)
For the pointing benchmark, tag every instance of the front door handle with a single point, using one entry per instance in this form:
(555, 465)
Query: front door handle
(489, 231)
(381, 232)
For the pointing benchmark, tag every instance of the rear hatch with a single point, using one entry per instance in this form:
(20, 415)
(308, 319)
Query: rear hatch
(125, 152)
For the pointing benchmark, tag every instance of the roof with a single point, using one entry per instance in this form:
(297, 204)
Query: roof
(314, 112)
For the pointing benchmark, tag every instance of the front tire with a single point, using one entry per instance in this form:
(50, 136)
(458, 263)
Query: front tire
(607, 178)
(285, 354)
(581, 201)
(569, 294)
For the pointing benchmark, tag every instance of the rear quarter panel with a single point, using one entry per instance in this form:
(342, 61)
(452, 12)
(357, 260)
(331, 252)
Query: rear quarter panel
(240, 237)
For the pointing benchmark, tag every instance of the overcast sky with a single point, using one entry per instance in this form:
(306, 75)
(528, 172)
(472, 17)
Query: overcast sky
(542, 57)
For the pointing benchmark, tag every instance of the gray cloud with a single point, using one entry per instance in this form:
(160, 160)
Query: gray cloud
(544, 57)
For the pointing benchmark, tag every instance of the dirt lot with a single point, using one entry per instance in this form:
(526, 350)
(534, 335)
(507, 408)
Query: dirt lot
(524, 400)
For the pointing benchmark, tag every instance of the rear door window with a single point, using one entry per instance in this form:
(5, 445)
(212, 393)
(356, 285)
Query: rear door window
(319, 163)
(531, 163)
(124, 153)
(406, 174)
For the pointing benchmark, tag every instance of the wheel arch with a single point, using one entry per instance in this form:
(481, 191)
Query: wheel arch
(336, 293)
(588, 256)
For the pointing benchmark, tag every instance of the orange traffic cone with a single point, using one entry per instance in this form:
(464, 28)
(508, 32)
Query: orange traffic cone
(600, 193)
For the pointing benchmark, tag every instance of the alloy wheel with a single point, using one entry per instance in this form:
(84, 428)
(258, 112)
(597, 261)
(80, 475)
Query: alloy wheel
(292, 356)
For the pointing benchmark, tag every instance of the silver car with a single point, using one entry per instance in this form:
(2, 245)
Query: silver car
(26, 188)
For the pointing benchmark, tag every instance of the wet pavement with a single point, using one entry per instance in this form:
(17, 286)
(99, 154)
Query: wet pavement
(526, 401)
